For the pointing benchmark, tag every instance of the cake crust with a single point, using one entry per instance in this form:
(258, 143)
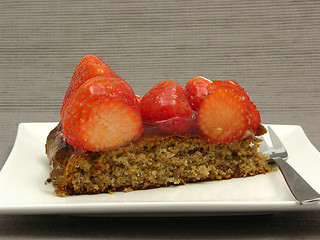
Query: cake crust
(150, 163)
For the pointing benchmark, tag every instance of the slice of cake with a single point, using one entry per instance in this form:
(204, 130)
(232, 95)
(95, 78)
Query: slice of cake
(110, 140)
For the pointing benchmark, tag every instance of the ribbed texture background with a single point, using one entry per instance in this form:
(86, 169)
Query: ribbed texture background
(271, 48)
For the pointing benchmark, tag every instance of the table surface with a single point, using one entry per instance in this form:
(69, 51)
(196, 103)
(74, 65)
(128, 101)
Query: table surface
(271, 48)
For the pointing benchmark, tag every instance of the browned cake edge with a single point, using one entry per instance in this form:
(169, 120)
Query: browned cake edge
(150, 163)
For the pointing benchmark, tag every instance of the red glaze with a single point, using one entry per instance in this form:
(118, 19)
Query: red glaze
(167, 108)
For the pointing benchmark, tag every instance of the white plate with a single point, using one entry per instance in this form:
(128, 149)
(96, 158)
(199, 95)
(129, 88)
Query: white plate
(22, 188)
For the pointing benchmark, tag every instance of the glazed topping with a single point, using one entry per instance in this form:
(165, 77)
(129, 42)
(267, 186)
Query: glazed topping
(166, 108)
(101, 111)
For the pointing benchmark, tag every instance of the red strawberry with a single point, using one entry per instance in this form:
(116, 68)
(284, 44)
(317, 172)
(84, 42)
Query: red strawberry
(228, 83)
(103, 113)
(223, 116)
(196, 90)
(166, 108)
(254, 116)
(89, 67)
(253, 113)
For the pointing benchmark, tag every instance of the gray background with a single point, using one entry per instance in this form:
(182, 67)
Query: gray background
(271, 48)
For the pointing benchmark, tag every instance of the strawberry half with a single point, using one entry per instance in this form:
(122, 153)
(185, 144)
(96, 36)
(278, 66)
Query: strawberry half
(223, 116)
(197, 89)
(89, 67)
(103, 113)
(227, 83)
(254, 116)
(166, 108)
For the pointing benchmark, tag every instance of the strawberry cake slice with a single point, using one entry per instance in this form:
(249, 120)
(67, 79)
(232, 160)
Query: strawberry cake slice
(109, 139)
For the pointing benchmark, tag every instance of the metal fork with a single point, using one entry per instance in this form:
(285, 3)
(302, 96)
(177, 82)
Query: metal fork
(300, 189)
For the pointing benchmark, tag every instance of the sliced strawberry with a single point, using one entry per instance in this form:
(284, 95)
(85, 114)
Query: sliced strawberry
(103, 113)
(227, 83)
(253, 113)
(196, 90)
(167, 108)
(254, 116)
(223, 116)
(89, 67)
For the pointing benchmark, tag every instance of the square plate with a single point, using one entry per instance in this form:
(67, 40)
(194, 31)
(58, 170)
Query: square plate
(22, 188)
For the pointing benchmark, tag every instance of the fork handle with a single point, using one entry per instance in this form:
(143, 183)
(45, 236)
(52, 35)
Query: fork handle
(300, 189)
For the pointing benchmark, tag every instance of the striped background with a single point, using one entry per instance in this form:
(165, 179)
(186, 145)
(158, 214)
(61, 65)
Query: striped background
(271, 48)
